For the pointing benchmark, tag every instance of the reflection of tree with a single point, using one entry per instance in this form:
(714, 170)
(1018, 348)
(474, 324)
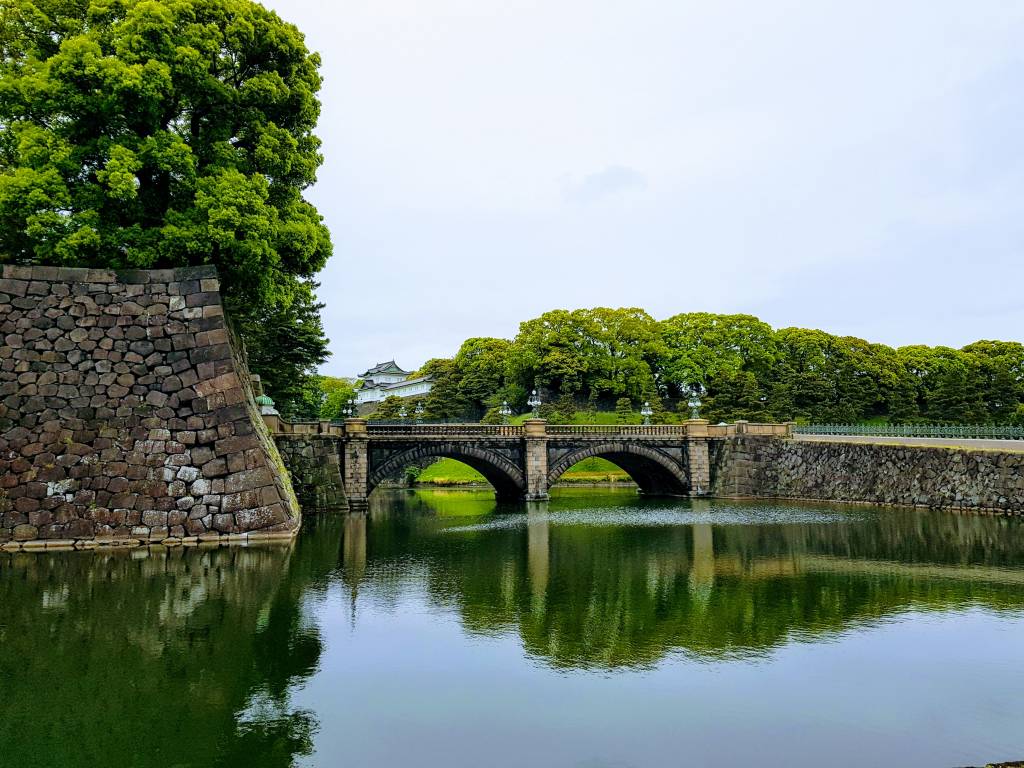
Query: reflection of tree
(611, 595)
(170, 657)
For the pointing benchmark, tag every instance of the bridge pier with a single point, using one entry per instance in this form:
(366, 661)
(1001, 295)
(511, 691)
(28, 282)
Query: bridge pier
(536, 440)
(356, 465)
(698, 456)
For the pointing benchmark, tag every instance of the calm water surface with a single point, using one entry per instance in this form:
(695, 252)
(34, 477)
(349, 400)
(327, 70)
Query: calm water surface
(598, 630)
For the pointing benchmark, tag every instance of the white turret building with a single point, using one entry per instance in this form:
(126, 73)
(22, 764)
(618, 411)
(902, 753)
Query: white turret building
(388, 380)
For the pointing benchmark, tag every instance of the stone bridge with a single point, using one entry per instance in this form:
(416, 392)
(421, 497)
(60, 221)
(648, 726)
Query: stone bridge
(329, 462)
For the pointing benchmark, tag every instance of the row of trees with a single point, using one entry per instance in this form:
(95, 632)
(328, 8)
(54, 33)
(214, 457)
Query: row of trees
(594, 359)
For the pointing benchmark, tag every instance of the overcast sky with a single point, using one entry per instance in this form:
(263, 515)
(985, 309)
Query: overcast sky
(850, 166)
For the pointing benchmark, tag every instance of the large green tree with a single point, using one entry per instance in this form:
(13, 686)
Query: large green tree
(163, 133)
(1000, 372)
(729, 356)
(589, 354)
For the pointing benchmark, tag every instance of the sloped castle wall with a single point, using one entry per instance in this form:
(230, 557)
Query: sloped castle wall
(126, 413)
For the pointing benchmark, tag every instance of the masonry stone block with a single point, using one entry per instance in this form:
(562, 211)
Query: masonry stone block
(935, 477)
(101, 430)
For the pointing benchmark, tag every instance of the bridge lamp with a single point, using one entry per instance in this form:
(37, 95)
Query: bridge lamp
(403, 413)
(419, 412)
(694, 404)
(505, 411)
(646, 412)
(266, 405)
(534, 402)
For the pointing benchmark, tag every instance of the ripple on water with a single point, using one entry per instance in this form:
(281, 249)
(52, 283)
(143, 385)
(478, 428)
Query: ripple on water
(673, 516)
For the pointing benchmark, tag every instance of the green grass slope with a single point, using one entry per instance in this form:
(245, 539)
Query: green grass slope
(446, 472)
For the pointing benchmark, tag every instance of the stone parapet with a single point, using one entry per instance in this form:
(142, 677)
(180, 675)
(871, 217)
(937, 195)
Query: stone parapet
(126, 412)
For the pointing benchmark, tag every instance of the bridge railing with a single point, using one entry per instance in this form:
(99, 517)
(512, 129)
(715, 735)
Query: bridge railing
(754, 428)
(962, 431)
(648, 430)
(693, 428)
(442, 430)
(279, 426)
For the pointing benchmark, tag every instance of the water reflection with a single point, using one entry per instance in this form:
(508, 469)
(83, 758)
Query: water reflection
(583, 590)
(159, 658)
(221, 657)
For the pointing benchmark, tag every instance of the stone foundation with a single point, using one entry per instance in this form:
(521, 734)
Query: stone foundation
(938, 478)
(315, 468)
(126, 413)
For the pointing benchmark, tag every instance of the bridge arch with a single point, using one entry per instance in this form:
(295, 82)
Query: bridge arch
(507, 479)
(657, 473)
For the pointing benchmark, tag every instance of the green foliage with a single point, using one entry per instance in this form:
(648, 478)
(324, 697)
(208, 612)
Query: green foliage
(623, 410)
(337, 394)
(392, 407)
(587, 353)
(1018, 416)
(444, 401)
(562, 411)
(659, 414)
(283, 343)
(165, 133)
(411, 474)
(700, 347)
(450, 472)
(593, 364)
(453, 472)
(471, 384)
(493, 416)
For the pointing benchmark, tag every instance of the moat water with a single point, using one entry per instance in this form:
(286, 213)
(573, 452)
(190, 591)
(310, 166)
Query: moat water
(600, 629)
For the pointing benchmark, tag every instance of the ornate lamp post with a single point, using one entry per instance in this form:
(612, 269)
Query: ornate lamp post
(694, 403)
(403, 414)
(419, 412)
(505, 411)
(266, 405)
(534, 402)
(646, 412)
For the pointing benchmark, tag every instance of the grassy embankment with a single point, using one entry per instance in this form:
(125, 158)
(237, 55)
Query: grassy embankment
(448, 472)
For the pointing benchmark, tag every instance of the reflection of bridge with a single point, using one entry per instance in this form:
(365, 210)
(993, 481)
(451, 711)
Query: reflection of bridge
(521, 462)
(702, 565)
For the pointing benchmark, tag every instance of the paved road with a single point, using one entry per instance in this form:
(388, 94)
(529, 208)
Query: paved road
(945, 442)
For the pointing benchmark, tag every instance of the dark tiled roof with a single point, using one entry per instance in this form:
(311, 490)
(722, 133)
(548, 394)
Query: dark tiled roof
(388, 368)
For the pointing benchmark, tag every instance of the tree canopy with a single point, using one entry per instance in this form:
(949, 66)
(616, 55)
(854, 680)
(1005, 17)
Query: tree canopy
(616, 359)
(164, 133)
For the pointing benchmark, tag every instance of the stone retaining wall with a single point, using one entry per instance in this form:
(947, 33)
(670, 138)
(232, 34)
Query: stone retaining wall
(939, 478)
(314, 464)
(126, 413)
